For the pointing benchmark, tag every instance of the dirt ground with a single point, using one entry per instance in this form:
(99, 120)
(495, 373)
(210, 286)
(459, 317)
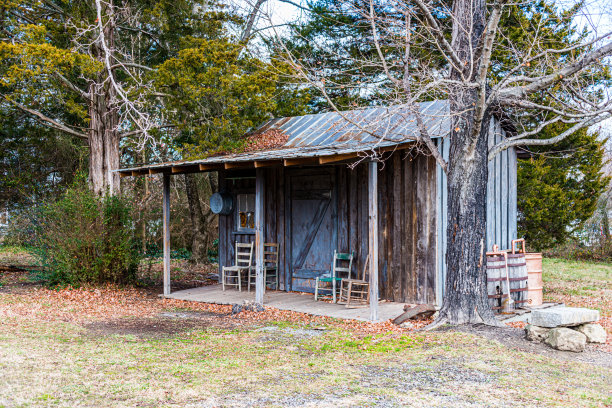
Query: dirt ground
(124, 347)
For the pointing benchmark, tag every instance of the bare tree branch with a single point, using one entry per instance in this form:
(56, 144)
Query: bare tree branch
(505, 96)
(72, 87)
(543, 142)
(44, 118)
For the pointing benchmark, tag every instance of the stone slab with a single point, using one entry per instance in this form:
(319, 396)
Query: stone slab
(563, 316)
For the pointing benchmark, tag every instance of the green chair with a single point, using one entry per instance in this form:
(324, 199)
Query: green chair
(341, 269)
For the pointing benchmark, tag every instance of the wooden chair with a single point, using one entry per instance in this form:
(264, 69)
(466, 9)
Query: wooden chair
(337, 273)
(355, 292)
(270, 266)
(232, 275)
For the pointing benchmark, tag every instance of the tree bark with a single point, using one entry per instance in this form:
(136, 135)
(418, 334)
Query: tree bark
(104, 120)
(466, 290)
(199, 221)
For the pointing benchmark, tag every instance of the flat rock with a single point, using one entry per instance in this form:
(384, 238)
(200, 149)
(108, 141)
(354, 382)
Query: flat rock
(594, 332)
(536, 333)
(566, 339)
(563, 316)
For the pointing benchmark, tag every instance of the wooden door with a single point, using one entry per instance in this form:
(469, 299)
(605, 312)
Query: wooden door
(312, 232)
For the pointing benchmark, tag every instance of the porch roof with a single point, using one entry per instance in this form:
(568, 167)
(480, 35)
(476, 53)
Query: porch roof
(321, 138)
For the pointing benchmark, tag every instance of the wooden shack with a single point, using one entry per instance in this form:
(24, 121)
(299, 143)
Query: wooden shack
(323, 189)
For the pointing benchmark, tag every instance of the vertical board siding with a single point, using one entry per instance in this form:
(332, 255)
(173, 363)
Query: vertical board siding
(501, 202)
(412, 218)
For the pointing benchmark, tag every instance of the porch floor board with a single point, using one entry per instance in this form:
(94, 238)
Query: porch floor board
(303, 303)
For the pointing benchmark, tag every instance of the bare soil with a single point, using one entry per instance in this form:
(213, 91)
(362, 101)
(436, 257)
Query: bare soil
(167, 324)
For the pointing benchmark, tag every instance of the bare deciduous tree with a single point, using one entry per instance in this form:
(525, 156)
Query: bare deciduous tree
(428, 50)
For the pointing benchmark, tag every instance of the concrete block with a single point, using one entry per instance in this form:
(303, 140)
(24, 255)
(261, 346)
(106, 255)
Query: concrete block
(563, 316)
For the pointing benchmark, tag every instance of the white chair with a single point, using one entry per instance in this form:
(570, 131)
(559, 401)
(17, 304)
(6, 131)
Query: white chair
(232, 275)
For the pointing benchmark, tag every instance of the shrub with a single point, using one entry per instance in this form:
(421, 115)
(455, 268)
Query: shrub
(83, 238)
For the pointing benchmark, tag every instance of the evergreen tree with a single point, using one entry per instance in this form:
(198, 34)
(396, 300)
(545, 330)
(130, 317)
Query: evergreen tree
(558, 186)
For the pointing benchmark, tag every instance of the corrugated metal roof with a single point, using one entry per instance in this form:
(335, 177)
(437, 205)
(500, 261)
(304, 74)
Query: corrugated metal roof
(334, 133)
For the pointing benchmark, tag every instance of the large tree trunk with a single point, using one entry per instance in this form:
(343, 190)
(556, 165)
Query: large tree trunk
(103, 133)
(466, 290)
(199, 221)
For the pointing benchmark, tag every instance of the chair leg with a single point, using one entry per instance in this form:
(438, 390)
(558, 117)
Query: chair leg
(349, 291)
(223, 278)
(334, 290)
(316, 288)
(239, 277)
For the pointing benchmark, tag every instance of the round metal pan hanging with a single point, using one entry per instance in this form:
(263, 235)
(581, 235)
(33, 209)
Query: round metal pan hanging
(221, 203)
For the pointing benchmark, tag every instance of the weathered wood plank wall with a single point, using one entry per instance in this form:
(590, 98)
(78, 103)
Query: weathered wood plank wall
(407, 221)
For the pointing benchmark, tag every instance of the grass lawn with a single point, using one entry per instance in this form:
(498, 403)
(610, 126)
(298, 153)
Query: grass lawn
(125, 347)
(581, 284)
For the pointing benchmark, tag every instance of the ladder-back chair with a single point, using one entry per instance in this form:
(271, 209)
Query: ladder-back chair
(355, 292)
(341, 268)
(231, 275)
(270, 266)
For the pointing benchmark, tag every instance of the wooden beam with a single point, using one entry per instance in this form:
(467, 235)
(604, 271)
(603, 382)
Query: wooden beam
(209, 167)
(373, 237)
(238, 165)
(337, 157)
(301, 161)
(259, 235)
(404, 146)
(166, 230)
(123, 174)
(185, 169)
(157, 171)
(268, 163)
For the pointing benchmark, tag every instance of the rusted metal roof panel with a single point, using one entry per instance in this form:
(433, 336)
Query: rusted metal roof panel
(333, 133)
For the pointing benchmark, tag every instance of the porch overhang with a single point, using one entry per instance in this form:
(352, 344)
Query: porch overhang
(270, 158)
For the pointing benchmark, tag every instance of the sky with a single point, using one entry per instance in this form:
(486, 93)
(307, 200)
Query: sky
(596, 16)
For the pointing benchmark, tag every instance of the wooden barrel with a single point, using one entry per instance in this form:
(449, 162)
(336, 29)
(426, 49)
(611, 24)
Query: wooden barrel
(517, 270)
(496, 281)
(534, 281)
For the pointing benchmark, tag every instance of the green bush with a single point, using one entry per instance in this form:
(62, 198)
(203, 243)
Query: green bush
(83, 238)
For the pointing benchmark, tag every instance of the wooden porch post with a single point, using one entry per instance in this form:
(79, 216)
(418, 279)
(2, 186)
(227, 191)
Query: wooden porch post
(166, 225)
(259, 235)
(373, 237)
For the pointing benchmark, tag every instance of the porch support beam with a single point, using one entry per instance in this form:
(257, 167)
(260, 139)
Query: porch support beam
(166, 226)
(157, 171)
(259, 235)
(337, 158)
(373, 237)
(304, 161)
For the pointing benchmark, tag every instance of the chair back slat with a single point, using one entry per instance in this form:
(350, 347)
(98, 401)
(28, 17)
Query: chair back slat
(340, 269)
(244, 254)
(271, 255)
